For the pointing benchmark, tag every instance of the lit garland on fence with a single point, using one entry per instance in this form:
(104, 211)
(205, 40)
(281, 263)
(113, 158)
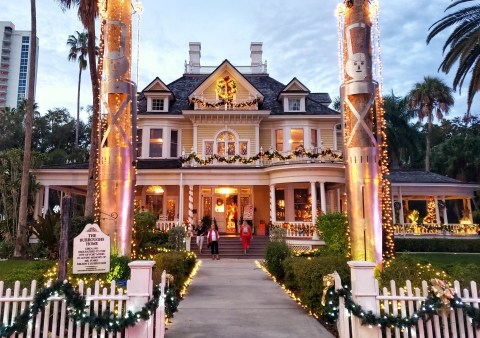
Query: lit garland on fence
(224, 102)
(263, 155)
(78, 311)
(432, 305)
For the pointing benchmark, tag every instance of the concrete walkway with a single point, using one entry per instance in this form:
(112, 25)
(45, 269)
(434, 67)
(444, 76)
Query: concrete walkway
(233, 298)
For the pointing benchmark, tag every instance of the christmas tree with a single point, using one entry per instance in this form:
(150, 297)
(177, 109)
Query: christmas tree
(431, 214)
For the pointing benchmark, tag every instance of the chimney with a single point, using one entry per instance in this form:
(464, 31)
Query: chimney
(256, 55)
(195, 54)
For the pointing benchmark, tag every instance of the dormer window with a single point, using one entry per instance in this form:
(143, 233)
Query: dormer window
(294, 104)
(158, 104)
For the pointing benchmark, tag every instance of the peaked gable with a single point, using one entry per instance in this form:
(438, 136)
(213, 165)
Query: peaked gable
(295, 86)
(157, 85)
(222, 71)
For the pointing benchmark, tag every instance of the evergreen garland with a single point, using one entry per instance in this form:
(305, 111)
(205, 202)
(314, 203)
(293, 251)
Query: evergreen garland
(171, 302)
(428, 308)
(77, 311)
(330, 155)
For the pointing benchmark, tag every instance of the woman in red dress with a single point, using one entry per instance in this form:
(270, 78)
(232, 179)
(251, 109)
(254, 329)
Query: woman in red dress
(246, 235)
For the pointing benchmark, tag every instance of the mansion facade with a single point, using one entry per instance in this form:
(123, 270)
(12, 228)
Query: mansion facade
(231, 142)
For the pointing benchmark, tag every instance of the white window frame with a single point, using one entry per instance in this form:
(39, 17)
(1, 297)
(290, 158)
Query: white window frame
(286, 103)
(150, 103)
(237, 143)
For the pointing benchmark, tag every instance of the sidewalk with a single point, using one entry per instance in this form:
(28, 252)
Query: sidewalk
(233, 298)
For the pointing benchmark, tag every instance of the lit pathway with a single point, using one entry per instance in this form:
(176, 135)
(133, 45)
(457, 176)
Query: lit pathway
(233, 298)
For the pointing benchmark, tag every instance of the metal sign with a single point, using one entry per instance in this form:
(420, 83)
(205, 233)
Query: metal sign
(91, 251)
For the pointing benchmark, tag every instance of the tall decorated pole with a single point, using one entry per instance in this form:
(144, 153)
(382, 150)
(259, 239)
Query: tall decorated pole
(362, 151)
(117, 145)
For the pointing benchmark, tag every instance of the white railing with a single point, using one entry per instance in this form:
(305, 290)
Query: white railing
(297, 229)
(404, 302)
(53, 321)
(436, 229)
(166, 225)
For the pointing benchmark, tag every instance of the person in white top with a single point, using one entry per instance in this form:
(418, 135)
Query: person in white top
(213, 238)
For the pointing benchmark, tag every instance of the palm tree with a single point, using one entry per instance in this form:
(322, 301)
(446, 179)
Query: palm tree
(78, 51)
(21, 239)
(403, 137)
(426, 97)
(464, 46)
(87, 12)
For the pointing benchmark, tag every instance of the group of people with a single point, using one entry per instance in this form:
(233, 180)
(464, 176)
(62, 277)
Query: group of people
(213, 237)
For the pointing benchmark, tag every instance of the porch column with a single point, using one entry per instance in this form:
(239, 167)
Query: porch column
(400, 197)
(394, 219)
(190, 204)
(195, 135)
(323, 201)
(313, 192)
(437, 212)
(45, 200)
(467, 205)
(339, 200)
(445, 217)
(273, 213)
(180, 203)
(36, 211)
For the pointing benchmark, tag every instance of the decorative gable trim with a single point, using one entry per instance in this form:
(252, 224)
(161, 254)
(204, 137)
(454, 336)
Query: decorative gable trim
(215, 75)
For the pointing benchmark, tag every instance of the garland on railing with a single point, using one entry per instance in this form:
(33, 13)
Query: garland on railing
(76, 307)
(263, 155)
(223, 102)
(441, 298)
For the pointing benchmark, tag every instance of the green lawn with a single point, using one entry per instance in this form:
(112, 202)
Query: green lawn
(24, 271)
(445, 260)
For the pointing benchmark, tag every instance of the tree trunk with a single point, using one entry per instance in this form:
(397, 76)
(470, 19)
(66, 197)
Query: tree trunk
(21, 239)
(64, 235)
(77, 125)
(94, 135)
(427, 150)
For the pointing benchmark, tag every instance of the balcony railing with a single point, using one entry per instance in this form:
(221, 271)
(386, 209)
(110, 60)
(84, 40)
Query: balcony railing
(296, 229)
(426, 229)
(266, 158)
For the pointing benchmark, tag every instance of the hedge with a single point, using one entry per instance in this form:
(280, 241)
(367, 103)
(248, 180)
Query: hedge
(177, 263)
(437, 245)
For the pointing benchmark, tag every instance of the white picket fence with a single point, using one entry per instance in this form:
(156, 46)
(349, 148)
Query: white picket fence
(451, 323)
(53, 321)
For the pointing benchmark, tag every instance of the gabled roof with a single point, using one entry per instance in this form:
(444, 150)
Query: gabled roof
(226, 66)
(295, 86)
(419, 176)
(157, 86)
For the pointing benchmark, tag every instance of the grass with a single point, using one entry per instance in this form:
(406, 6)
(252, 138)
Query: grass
(24, 271)
(446, 260)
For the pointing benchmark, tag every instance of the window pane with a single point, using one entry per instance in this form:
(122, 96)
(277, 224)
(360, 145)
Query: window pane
(221, 148)
(293, 104)
(279, 139)
(313, 140)
(243, 148)
(174, 143)
(296, 138)
(139, 142)
(208, 148)
(301, 207)
(156, 142)
(231, 148)
(157, 104)
(280, 204)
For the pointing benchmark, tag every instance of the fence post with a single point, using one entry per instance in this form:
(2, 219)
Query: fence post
(139, 290)
(364, 293)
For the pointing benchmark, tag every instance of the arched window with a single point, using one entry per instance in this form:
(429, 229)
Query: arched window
(226, 144)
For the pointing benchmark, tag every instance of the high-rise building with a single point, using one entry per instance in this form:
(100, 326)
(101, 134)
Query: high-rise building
(14, 64)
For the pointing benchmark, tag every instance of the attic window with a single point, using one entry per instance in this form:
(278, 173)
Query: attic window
(158, 104)
(293, 104)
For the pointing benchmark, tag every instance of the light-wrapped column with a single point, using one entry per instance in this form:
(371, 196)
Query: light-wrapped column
(361, 146)
(117, 147)
(190, 204)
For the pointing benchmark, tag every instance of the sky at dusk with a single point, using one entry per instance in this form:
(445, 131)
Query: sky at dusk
(299, 40)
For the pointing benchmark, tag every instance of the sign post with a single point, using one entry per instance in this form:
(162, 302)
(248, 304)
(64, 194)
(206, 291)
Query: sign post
(91, 251)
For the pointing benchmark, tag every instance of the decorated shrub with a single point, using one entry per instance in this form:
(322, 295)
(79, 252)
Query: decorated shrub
(305, 277)
(176, 238)
(179, 264)
(334, 227)
(275, 253)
